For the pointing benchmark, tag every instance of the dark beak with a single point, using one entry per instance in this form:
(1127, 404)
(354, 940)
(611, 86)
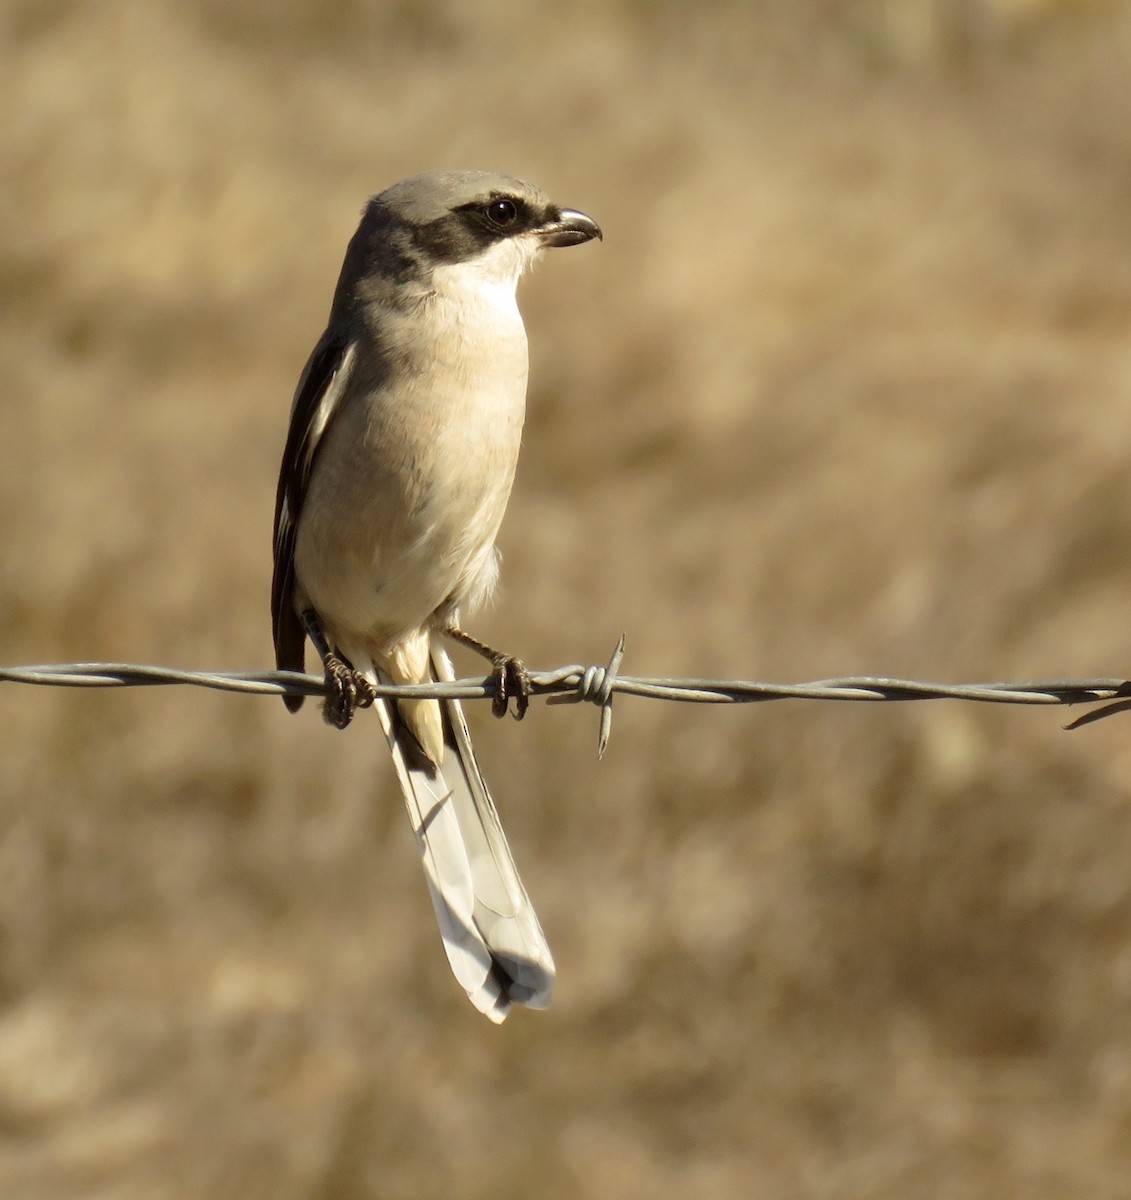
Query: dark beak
(570, 228)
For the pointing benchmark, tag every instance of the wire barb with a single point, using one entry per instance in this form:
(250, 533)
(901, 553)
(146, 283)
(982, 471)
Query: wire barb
(588, 685)
(1098, 714)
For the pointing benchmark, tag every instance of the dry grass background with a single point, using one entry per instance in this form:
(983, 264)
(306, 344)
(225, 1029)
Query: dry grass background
(847, 388)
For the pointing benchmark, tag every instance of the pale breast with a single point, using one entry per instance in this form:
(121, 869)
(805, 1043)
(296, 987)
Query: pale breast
(424, 460)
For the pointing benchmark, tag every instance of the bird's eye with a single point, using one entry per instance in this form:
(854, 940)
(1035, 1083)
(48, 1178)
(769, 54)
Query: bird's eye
(502, 213)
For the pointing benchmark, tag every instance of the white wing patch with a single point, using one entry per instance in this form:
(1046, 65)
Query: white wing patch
(327, 404)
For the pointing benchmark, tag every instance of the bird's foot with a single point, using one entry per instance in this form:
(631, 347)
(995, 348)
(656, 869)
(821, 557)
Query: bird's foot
(346, 691)
(512, 679)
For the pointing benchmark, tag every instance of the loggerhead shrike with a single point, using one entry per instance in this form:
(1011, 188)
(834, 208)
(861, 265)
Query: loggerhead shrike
(402, 447)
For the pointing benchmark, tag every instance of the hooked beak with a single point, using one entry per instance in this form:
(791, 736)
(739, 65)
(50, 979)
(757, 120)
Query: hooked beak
(570, 228)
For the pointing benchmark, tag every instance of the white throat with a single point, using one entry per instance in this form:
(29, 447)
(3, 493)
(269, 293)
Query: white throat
(490, 278)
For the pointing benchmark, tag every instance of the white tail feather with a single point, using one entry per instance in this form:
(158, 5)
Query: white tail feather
(491, 934)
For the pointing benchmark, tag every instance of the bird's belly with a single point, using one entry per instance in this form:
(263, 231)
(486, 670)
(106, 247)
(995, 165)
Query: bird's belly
(428, 490)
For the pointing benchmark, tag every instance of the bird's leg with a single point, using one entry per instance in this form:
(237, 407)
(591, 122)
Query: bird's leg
(510, 674)
(346, 689)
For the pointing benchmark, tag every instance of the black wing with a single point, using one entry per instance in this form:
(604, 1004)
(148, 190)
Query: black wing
(319, 392)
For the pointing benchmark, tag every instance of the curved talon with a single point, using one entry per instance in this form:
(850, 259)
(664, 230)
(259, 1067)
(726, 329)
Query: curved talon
(366, 696)
(520, 685)
(500, 699)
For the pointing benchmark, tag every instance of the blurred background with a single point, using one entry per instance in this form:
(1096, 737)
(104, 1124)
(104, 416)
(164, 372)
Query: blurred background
(846, 389)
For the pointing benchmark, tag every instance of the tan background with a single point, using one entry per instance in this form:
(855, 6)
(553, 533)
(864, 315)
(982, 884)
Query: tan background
(847, 388)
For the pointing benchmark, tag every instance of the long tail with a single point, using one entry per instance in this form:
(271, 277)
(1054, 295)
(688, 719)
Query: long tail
(491, 934)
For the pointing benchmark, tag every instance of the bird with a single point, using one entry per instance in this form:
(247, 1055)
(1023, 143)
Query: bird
(398, 463)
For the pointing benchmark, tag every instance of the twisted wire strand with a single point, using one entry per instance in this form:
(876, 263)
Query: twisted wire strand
(598, 685)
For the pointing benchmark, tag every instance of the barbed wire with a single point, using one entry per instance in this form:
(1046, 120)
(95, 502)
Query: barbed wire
(598, 685)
